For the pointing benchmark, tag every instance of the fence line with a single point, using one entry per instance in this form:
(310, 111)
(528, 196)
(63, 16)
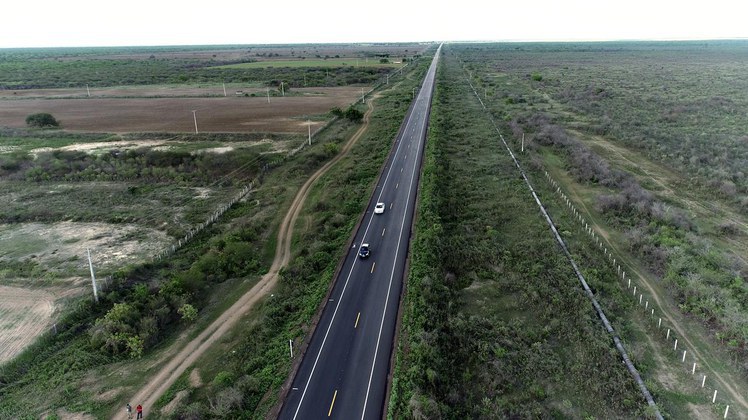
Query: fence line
(616, 339)
(641, 298)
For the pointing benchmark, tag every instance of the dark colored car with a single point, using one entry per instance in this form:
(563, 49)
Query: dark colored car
(363, 251)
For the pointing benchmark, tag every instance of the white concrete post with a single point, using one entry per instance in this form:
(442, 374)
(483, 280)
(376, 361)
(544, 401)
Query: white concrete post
(93, 277)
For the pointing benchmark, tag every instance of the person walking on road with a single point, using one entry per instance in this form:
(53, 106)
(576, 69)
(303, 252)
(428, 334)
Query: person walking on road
(139, 409)
(128, 408)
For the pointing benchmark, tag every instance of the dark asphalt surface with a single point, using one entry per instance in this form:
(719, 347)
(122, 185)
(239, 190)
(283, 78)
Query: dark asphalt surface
(343, 374)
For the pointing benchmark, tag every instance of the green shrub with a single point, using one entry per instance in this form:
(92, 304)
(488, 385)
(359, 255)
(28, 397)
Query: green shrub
(42, 120)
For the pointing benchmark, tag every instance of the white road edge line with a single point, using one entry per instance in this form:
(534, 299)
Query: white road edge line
(345, 285)
(392, 274)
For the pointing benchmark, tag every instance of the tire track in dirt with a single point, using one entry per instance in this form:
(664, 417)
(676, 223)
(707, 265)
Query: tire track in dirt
(190, 352)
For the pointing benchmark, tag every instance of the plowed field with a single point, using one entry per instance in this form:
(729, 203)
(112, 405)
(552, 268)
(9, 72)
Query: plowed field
(164, 110)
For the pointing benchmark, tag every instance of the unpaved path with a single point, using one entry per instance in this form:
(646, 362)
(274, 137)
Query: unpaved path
(186, 357)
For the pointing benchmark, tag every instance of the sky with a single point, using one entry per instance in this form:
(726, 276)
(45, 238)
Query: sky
(62, 23)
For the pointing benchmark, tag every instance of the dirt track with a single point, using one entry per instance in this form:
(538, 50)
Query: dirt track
(191, 352)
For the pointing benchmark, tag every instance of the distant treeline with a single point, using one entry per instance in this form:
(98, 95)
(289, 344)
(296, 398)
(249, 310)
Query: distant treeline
(45, 74)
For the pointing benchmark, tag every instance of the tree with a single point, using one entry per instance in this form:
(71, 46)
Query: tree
(42, 120)
(354, 114)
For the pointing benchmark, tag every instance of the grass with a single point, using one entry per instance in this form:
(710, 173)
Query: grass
(494, 322)
(634, 110)
(196, 65)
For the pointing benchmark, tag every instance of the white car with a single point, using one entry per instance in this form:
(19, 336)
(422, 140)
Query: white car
(379, 208)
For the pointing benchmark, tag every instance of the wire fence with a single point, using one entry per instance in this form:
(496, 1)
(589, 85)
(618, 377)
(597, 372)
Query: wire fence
(687, 357)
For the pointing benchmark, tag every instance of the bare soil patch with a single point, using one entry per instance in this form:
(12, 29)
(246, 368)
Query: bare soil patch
(64, 244)
(174, 114)
(24, 315)
(276, 146)
(195, 380)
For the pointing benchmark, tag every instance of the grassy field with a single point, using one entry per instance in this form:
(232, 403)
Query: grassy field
(495, 324)
(36, 68)
(630, 130)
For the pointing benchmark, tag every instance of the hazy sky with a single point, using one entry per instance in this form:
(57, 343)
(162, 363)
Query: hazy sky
(53, 23)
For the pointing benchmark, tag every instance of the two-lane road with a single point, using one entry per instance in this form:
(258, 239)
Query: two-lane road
(344, 371)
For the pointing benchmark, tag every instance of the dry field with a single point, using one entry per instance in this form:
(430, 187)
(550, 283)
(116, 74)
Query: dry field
(174, 114)
(62, 246)
(24, 315)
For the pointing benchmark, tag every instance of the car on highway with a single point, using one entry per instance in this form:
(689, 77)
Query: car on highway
(379, 208)
(363, 251)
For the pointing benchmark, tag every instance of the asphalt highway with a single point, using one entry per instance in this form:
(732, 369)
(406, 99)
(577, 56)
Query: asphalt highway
(343, 374)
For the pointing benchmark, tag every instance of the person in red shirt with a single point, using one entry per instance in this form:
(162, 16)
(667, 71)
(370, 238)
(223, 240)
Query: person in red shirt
(139, 409)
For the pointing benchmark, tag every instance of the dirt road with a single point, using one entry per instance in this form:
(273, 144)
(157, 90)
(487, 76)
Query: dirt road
(190, 352)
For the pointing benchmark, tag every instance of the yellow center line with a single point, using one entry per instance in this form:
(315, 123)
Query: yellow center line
(372, 267)
(383, 231)
(357, 318)
(329, 413)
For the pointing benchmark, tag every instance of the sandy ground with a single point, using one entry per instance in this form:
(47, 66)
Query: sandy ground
(175, 114)
(105, 146)
(184, 355)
